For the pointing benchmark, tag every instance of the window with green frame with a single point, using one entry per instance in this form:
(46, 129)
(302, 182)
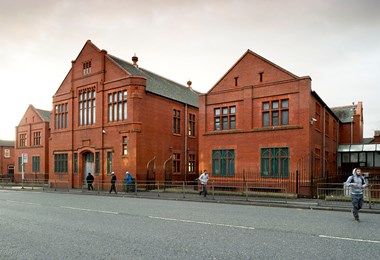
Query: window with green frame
(223, 162)
(75, 162)
(19, 164)
(109, 162)
(61, 163)
(275, 162)
(35, 163)
(97, 162)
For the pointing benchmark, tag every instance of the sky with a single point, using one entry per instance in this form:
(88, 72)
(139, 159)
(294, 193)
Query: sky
(335, 42)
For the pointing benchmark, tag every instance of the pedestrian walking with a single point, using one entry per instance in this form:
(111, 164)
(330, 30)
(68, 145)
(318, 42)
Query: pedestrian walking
(357, 183)
(90, 180)
(113, 182)
(203, 179)
(128, 181)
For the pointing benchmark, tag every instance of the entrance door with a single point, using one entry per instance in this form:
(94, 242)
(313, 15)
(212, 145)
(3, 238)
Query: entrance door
(88, 165)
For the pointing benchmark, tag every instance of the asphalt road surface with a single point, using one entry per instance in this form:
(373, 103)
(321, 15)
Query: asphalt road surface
(37, 225)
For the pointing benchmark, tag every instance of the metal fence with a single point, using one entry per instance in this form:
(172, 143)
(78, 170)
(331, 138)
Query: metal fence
(339, 195)
(328, 194)
(30, 184)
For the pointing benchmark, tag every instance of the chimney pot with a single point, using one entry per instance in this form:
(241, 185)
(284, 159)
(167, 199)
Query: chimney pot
(135, 59)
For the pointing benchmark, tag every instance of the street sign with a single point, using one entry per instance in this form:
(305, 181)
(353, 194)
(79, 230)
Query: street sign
(24, 158)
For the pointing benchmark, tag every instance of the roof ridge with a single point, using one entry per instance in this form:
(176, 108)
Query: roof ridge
(148, 71)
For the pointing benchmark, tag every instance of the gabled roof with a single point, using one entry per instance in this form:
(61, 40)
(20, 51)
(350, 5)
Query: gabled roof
(271, 63)
(249, 52)
(345, 113)
(160, 85)
(7, 143)
(44, 115)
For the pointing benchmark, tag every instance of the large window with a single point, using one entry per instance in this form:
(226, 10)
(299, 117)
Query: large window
(61, 163)
(37, 138)
(176, 121)
(327, 124)
(191, 125)
(191, 162)
(61, 116)
(176, 163)
(87, 106)
(117, 106)
(22, 140)
(225, 118)
(223, 162)
(86, 67)
(275, 112)
(19, 164)
(124, 146)
(97, 162)
(35, 163)
(318, 111)
(109, 162)
(275, 162)
(75, 162)
(7, 153)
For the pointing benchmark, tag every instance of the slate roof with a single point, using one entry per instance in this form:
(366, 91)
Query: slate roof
(160, 85)
(7, 143)
(45, 114)
(345, 114)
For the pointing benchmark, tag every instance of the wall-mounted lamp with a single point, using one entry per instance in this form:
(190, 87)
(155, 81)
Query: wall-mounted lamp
(312, 120)
(104, 131)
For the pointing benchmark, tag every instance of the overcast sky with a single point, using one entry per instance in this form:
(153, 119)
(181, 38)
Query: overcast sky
(335, 42)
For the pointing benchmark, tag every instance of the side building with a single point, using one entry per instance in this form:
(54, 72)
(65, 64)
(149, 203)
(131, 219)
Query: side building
(110, 115)
(264, 125)
(32, 145)
(7, 159)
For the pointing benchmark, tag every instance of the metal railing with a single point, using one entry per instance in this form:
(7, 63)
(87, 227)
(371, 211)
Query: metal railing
(242, 191)
(328, 194)
(8, 183)
(339, 195)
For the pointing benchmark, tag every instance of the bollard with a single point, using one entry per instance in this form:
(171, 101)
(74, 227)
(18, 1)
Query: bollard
(213, 194)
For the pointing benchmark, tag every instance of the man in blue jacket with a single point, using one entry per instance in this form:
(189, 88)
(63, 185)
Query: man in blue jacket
(128, 180)
(357, 183)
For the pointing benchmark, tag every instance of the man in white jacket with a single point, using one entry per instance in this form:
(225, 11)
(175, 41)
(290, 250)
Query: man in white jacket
(204, 179)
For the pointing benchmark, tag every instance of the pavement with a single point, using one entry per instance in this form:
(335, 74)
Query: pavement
(299, 203)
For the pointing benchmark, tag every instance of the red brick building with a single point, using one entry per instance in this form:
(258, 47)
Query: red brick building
(7, 158)
(351, 123)
(32, 142)
(262, 123)
(110, 115)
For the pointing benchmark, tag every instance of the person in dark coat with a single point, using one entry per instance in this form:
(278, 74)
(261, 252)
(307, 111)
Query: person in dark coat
(90, 180)
(113, 182)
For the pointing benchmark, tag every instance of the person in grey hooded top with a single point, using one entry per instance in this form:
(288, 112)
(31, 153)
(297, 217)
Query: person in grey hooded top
(357, 183)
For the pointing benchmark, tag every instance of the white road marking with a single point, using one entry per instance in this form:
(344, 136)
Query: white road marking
(202, 223)
(92, 210)
(351, 239)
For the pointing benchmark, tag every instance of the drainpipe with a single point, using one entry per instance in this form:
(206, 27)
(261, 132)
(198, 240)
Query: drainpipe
(186, 145)
(72, 124)
(103, 106)
(324, 143)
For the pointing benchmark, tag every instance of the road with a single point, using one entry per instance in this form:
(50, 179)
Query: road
(36, 225)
